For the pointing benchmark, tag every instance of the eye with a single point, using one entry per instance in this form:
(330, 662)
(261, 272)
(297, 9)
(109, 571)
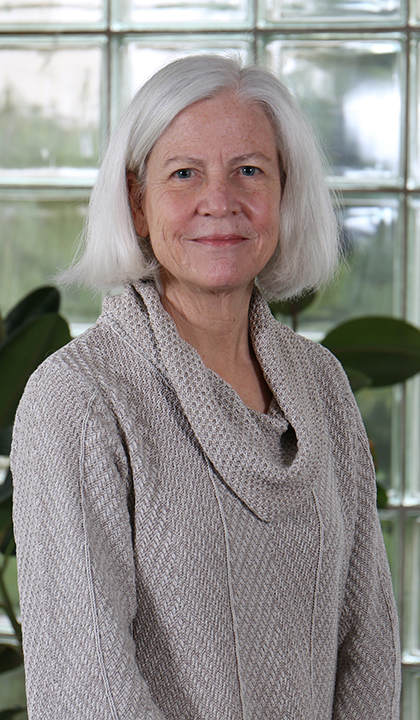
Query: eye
(183, 173)
(249, 170)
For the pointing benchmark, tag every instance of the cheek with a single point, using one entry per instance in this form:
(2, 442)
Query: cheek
(266, 210)
(169, 221)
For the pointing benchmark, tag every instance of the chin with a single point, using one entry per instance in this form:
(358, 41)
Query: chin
(225, 278)
(225, 284)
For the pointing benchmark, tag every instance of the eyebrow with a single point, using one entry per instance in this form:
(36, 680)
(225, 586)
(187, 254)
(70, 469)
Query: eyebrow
(182, 159)
(251, 156)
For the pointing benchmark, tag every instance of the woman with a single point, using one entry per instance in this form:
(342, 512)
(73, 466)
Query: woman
(195, 500)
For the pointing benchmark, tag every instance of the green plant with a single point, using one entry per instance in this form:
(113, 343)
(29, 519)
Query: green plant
(375, 351)
(31, 331)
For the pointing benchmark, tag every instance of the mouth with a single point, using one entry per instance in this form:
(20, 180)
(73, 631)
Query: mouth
(220, 240)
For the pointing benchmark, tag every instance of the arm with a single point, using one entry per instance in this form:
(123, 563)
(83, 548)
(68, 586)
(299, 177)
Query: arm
(75, 556)
(368, 669)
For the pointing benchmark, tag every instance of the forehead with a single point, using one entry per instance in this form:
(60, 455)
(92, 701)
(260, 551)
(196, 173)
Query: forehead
(223, 122)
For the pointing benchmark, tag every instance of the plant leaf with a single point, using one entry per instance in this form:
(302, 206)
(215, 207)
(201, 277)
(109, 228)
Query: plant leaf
(6, 523)
(381, 497)
(5, 440)
(38, 302)
(384, 349)
(11, 713)
(21, 354)
(10, 658)
(6, 509)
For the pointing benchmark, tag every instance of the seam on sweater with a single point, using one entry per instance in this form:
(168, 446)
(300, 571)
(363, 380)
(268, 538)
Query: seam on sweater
(316, 590)
(115, 327)
(127, 340)
(93, 605)
(230, 590)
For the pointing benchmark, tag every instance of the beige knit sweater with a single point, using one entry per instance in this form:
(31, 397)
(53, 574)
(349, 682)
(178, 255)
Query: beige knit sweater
(184, 558)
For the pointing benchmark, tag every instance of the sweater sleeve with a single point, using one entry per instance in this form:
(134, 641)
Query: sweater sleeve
(368, 662)
(75, 555)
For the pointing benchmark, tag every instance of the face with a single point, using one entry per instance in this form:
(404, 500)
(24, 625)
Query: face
(212, 198)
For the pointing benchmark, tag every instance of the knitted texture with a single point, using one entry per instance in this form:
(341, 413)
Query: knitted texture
(182, 557)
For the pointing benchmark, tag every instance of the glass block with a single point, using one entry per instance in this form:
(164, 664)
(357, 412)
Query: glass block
(353, 90)
(391, 530)
(19, 14)
(411, 624)
(182, 14)
(410, 701)
(414, 12)
(134, 61)
(412, 425)
(329, 12)
(412, 446)
(39, 233)
(51, 97)
(413, 260)
(414, 115)
(369, 282)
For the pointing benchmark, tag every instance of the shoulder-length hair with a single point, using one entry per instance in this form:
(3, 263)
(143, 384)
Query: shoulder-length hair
(307, 251)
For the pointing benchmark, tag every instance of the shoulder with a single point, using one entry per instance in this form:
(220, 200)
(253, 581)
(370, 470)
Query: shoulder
(102, 360)
(328, 382)
(309, 361)
(317, 378)
(327, 378)
(66, 377)
(303, 359)
(64, 390)
(325, 368)
(66, 413)
(104, 377)
(55, 402)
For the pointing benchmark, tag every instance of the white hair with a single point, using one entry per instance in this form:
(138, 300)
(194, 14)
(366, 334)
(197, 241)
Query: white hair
(307, 252)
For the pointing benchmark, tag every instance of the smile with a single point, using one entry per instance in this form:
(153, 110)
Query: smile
(220, 240)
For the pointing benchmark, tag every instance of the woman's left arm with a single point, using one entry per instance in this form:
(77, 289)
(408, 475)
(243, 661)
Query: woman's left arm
(368, 662)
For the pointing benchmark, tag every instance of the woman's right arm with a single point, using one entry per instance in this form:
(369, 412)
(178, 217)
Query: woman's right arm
(75, 555)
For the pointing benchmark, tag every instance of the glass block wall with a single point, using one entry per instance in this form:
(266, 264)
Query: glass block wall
(68, 66)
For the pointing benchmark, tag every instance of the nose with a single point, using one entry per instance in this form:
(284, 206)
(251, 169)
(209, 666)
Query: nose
(218, 198)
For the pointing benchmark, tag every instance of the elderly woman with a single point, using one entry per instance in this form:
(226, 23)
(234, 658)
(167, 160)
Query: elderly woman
(195, 500)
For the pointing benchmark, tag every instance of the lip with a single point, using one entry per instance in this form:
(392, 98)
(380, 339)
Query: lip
(220, 240)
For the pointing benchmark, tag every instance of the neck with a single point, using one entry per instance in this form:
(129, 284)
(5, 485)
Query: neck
(216, 325)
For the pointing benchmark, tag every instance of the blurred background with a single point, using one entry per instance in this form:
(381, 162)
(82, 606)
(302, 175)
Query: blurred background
(67, 68)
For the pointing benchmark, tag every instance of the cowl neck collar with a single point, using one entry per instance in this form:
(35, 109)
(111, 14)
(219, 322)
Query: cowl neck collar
(232, 437)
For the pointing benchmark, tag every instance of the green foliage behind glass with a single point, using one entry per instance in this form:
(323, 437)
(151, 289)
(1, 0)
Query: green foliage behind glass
(46, 229)
(31, 139)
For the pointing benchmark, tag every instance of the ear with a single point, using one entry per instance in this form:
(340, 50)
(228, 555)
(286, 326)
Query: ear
(136, 204)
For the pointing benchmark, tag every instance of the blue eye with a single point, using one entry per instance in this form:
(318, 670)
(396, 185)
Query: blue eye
(183, 174)
(249, 170)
